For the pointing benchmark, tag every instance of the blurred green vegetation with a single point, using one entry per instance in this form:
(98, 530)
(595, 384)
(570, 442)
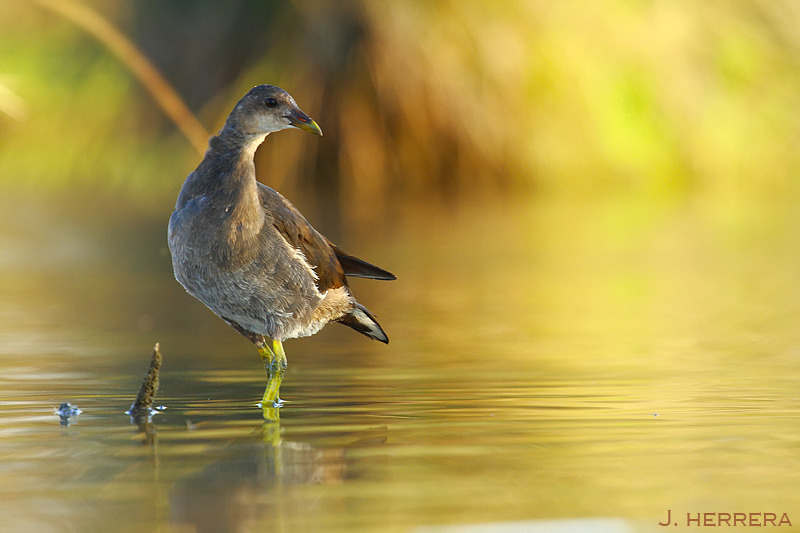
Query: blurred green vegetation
(418, 99)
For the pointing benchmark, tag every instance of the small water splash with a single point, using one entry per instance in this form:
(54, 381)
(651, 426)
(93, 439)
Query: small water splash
(67, 411)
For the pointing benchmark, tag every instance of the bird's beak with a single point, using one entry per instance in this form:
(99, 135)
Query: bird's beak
(298, 119)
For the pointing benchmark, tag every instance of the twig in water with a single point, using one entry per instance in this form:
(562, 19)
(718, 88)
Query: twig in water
(147, 392)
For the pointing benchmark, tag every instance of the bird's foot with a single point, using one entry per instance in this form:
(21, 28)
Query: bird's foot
(275, 365)
(270, 409)
(277, 403)
(271, 398)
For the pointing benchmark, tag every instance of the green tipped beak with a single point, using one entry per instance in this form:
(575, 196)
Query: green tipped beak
(298, 119)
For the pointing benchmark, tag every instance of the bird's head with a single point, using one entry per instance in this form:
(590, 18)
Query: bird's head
(266, 109)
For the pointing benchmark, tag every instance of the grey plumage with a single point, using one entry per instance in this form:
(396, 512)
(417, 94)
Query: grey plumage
(245, 252)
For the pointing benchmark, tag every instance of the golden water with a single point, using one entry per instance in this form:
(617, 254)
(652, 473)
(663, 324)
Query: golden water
(583, 364)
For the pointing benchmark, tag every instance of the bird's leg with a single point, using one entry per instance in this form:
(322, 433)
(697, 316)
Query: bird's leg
(280, 356)
(276, 368)
(267, 357)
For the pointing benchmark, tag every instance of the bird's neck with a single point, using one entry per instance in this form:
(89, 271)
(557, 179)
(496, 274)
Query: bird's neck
(228, 163)
(227, 179)
(235, 143)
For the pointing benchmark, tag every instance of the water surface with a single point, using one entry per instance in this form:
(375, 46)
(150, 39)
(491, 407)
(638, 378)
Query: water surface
(582, 364)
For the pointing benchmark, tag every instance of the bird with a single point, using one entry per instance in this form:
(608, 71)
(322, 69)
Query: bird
(248, 254)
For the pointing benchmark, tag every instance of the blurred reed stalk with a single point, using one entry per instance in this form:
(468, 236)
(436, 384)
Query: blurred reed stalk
(11, 104)
(152, 80)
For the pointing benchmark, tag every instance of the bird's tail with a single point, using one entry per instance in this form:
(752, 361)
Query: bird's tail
(362, 321)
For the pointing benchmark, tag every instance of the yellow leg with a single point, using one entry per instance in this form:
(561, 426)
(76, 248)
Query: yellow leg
(277, 348)
(267, 357)
(275, 363)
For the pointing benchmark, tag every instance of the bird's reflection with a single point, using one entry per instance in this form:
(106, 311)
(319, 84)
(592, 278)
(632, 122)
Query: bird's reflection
(245, 486)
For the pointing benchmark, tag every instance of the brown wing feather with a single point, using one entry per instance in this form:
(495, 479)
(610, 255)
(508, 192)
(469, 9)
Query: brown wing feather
(300, 234)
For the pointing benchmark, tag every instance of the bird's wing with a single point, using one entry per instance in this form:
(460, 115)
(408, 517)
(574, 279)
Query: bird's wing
(302, 236)
(358, 268)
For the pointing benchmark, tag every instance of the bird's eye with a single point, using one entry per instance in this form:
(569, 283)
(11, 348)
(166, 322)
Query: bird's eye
(271, 102)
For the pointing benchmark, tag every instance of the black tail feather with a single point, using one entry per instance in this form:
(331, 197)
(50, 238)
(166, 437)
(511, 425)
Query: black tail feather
(363, 322)
(358, 268)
